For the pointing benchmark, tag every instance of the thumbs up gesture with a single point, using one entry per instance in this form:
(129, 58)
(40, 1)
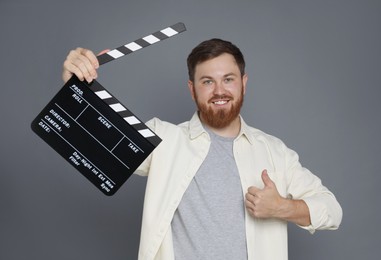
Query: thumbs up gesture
(266, 202)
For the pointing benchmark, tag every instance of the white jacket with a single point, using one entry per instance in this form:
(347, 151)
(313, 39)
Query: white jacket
(172, 165)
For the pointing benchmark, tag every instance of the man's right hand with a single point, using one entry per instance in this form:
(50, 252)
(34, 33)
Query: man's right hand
(81, 62)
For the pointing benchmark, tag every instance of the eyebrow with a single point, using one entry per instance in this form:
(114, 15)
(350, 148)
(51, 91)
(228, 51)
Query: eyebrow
(224, 76)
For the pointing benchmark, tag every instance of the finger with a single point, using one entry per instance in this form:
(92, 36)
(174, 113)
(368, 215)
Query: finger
(266, 179)
(66, 75)
(103, 52)
(251, 209)
(251, 212)
(249, 205)
(249, 197)
(87, 68)
(69, 70)
(253, 190)
(86, 61)
(79, 62)
(90, 56)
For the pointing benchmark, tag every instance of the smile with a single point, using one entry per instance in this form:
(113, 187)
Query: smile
(220, 102)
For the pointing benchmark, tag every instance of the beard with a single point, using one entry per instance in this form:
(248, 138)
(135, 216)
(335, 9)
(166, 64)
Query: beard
(219, 118)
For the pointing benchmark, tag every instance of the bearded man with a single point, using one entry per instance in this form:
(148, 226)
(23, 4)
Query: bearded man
(216, 187)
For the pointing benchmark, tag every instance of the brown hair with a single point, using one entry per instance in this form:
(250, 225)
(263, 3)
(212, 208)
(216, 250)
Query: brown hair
(210, 49)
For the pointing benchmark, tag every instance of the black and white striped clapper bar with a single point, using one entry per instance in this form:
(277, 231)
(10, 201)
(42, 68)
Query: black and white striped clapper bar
(95, 132)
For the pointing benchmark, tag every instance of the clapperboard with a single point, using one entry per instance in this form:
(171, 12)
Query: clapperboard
(93, 131)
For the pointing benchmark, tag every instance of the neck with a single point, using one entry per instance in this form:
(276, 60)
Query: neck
(231, 130)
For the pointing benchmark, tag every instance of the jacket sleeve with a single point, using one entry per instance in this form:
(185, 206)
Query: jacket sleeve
(143, 169)
(325, 211)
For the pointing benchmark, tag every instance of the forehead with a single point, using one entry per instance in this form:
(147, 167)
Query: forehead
(218, 66)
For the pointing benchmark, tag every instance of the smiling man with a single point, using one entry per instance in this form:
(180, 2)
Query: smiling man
(218, 188)
(218, 87)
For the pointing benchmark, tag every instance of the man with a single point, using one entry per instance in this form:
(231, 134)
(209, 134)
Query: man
(218, 188)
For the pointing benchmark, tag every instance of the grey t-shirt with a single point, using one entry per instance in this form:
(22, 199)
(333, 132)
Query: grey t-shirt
(210, 220)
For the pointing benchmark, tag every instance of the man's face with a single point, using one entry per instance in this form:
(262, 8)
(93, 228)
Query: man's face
(218, 90)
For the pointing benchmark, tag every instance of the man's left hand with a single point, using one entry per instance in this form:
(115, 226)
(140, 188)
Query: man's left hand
(266, 202)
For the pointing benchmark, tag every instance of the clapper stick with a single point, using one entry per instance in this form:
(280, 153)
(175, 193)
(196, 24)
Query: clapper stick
(141, 43)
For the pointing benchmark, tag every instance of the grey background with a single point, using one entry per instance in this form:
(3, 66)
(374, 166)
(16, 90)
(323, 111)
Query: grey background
(314, 81)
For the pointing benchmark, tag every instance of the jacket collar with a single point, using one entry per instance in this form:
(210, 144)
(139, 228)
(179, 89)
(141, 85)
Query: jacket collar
(196, 129)
(195, 126)
(245, 132)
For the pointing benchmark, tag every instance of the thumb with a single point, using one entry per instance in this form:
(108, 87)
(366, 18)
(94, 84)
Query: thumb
(266, 179)
(102, 52)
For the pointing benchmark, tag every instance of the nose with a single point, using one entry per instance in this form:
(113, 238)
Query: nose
(219, 88)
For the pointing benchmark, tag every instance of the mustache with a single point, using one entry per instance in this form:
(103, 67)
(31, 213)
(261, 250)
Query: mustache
(218, 97)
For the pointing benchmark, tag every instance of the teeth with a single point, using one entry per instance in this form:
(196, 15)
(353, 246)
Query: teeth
(221, 102)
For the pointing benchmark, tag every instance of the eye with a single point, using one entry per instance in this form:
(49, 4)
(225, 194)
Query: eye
(228, 80)
(207, 82)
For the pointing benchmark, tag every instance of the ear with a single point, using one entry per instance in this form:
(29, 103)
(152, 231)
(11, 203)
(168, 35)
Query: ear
(244, 81)
(191, 88)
